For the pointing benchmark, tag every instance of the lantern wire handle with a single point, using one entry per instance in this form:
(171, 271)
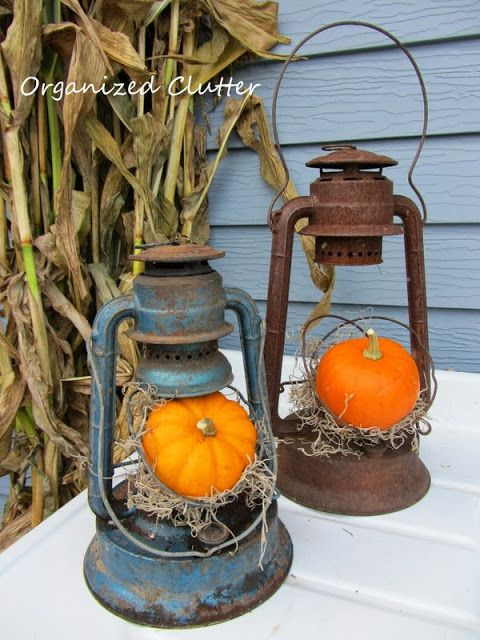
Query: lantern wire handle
(398, 43)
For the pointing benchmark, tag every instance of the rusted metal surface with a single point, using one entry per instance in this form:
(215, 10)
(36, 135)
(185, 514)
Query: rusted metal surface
(351, 231)
(282, 225)
(347, 218)
(381, 481)
(179, 310)
(178, 253)
(408, 212)
(185, 370)
(153, 572)
(353, 207)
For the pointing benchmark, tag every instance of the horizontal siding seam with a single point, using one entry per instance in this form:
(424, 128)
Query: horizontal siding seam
(238, 146)
(411, 44)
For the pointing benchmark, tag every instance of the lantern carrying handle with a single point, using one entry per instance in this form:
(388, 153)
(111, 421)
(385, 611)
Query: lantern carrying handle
(400, 45)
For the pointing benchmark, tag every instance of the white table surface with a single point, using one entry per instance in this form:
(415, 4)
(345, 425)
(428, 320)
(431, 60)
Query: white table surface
(408, 575)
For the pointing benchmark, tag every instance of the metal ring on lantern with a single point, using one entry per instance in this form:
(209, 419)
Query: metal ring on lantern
(403, 48)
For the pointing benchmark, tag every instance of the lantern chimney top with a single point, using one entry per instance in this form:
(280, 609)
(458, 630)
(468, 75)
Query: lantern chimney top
(175, 252)
(347, 157)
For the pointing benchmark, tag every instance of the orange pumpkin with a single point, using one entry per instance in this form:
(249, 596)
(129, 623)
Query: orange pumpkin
(199, 446)
(368, 382)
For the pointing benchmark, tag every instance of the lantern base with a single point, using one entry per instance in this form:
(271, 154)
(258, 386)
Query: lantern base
(191, 591)
(349, 485)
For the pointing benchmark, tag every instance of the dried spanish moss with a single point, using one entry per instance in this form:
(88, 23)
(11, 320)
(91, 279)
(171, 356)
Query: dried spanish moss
(324, 435)
(329, 437)
(147, 493)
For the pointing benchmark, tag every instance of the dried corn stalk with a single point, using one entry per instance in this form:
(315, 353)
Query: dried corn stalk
(85, 178)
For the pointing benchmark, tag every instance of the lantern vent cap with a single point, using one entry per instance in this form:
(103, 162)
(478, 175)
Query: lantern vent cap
(176, 252)
(348, 156)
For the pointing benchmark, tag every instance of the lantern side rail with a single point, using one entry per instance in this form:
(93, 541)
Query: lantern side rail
(252, 339)
(102, 352)
(282, 224)
(408, 212)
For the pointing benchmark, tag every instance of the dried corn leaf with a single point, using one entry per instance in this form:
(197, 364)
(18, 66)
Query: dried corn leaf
(155, 10)
(11, 396)
(86, 66)
(107, 289)
(47, 244)
(121, 104)
(254, 131)
(65, 308)
(65, 438)
(151, 144)
(16, 461)
(23, 52)
(61, 37)
(14, 530)
(252, 24)
(107, 144)
(88, 28)
(62, 365)
(110, 148)
(118, 47)
(114, 194)
(136, 10)
(218, 53)
(195, 201)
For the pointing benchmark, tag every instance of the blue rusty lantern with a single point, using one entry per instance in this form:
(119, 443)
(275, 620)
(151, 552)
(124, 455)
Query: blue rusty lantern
(153, 572)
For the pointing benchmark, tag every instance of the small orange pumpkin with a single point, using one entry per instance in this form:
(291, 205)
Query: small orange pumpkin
(368, 382)
(199, 446)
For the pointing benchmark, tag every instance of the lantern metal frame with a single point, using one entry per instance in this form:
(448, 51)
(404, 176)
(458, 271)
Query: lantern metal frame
(147, 570)
(349, 212)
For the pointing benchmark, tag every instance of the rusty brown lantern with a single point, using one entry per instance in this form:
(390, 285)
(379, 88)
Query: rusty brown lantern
(351, 207)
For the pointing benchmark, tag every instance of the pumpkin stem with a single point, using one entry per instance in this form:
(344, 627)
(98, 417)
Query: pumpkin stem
(207, 427)
(372, 352)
